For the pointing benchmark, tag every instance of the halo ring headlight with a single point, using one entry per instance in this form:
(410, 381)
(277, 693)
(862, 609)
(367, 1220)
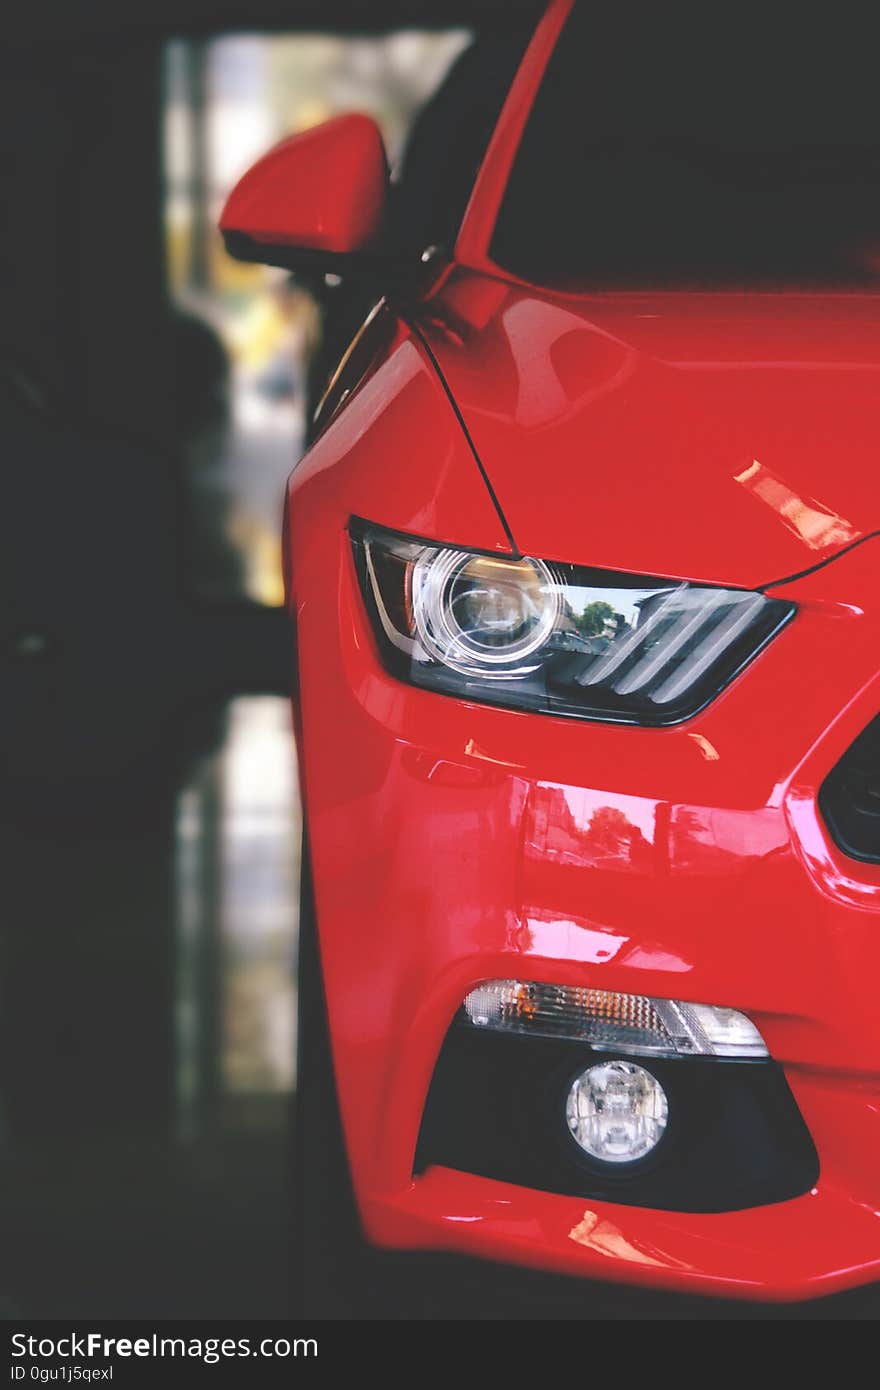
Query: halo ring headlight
(477, 612)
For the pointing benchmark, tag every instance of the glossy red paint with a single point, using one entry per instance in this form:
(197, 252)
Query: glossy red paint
(720, 438)
(454, 843)
(723, 437)
(321, 190)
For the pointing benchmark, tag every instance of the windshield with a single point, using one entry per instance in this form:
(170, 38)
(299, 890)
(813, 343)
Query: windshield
(727, 155)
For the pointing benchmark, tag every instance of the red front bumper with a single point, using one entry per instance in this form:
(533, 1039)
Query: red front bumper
(455, 843)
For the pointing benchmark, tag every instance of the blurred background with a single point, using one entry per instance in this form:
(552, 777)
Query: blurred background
(250, 334)
(154, 396)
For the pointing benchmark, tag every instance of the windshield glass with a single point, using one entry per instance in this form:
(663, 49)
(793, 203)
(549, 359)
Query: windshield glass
(732, 153)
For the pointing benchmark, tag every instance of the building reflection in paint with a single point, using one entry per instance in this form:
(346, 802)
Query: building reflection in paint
(815, 525)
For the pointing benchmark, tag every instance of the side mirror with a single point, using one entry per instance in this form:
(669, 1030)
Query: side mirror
(317, 201)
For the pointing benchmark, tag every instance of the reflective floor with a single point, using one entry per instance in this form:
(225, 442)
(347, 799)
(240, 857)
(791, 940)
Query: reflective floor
(148, 975)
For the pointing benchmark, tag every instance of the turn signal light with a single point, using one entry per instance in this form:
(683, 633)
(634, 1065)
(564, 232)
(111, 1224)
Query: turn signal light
(608, 1020)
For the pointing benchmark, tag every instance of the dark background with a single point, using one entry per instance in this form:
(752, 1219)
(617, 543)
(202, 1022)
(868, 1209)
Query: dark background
(152, 398)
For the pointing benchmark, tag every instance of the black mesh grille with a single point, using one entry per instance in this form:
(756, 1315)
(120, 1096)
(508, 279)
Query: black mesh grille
(850, 797)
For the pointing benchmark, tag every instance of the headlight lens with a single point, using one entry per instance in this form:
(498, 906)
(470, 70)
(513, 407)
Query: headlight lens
(478, 614)
(557, 638)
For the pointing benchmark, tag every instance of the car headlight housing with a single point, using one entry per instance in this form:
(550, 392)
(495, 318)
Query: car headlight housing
(557, 638)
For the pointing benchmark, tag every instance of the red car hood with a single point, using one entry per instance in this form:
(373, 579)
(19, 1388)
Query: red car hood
(726, 437)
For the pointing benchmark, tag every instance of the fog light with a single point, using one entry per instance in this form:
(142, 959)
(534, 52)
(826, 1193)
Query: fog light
(617, 1112)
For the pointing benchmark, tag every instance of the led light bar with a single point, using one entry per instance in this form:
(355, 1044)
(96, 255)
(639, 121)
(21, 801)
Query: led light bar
(629, 1023)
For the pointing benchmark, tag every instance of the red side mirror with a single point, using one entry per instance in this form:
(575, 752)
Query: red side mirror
(314, 201)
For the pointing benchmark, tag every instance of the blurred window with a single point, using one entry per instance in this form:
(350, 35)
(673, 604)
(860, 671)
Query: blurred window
(721, 153)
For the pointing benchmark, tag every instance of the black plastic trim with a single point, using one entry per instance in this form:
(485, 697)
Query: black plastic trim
(390, 271)
(849, 798)
(735, 1137)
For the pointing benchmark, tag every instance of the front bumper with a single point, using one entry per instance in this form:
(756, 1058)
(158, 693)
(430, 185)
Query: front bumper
(454, 843)
(818, 1244)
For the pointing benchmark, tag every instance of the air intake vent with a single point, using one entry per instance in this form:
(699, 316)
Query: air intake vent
(850, 797)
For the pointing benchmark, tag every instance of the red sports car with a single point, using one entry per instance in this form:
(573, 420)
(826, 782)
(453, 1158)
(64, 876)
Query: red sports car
(584, 574)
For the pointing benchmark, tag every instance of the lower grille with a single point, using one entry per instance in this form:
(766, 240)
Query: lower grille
(850, 798)
(497, 1108)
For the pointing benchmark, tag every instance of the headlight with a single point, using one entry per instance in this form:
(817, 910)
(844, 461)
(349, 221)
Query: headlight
(553, 637)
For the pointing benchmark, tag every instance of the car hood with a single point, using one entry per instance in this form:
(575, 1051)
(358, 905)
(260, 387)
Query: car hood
(729, 437)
